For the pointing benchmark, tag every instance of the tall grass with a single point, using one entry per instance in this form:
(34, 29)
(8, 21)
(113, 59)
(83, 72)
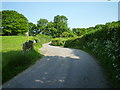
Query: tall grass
(14, 60)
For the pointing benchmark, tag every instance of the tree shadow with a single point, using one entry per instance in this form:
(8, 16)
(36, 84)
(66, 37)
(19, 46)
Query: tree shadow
(58, 72)
(75, 71)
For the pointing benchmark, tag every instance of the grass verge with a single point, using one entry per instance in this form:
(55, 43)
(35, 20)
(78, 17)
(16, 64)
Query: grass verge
(14, 60)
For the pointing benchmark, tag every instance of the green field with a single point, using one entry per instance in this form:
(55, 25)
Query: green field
(14, 60)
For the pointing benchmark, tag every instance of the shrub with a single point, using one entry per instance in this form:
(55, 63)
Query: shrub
(58, 42)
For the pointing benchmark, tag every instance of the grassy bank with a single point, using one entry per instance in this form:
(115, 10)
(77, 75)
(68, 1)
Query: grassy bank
(104, 45)
(14, 60)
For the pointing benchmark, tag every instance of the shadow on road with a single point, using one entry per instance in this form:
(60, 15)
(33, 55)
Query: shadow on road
(61, 68)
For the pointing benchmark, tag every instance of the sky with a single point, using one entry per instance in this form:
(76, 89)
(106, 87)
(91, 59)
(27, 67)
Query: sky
(79, 14)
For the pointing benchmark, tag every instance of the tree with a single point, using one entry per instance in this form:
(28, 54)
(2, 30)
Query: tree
(112, 25)
(33, 30)
(0, 23)
(13, 23)
(50, 30)
(57, 28)
(41, 24)
(59, 18)
(60, 23)
(79, 31)
(99, 27)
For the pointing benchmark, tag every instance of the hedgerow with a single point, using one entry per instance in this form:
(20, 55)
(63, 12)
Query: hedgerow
(104, 45)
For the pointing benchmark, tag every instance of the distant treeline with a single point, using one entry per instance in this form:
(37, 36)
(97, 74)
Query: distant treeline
(14, 23)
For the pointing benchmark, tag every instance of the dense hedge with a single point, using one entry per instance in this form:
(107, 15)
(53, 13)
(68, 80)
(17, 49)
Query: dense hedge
(104, 45)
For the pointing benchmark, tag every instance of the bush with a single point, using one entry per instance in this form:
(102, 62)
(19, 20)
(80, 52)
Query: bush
(58, 42)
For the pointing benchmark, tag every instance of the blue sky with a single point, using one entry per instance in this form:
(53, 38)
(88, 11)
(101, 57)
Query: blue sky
(79, 14)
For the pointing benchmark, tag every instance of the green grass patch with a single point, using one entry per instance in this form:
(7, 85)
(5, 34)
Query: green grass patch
(14, 60)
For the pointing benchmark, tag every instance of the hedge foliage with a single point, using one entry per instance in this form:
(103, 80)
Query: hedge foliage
(104, 44)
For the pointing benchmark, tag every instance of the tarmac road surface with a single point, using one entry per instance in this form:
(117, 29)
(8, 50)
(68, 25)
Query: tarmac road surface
(61, 68)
